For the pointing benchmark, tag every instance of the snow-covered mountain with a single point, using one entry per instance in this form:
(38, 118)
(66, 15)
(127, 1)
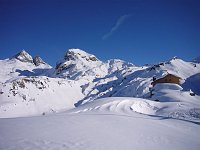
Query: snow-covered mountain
(101, 105)
(77, 64)
(136, 81)
(30, 86)
(21, 65)
(23, 56)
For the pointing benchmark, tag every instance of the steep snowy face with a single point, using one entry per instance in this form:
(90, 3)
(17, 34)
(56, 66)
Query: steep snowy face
(23, 56)
(37, 60)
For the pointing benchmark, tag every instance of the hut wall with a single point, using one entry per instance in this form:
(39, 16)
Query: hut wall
(167, 79)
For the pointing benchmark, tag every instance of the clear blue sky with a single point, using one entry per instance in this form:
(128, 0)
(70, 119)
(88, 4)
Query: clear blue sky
(138, 31)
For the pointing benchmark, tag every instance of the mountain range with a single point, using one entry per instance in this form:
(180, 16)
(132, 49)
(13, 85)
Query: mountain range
(86, 103)
(30, 86)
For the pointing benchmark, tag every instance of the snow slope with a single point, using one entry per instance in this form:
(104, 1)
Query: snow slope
(116, 125)
(37, 95)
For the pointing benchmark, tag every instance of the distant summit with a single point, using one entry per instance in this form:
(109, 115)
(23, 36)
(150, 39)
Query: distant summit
(37, 60)
(73, 54)
(78, 64)
(23, 56)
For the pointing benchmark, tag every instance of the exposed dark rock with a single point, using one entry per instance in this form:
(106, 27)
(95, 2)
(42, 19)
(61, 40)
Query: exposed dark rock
(37, 60)
(23, 56)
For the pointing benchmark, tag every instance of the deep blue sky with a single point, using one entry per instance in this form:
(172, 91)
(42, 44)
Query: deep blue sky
(138, 31)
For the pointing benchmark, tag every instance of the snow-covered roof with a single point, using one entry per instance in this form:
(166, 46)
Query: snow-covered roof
(166, 74)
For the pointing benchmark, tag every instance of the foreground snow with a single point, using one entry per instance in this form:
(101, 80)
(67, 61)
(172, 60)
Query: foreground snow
(111, 123)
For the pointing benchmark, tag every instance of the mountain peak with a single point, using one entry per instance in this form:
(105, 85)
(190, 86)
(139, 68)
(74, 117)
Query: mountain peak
(24, 56)
(74, 54)
(77, 62)
(37, 60)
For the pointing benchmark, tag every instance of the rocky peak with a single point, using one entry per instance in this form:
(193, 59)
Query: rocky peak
(77, 61)
(77, 54)
(37, 60)
(23, 56)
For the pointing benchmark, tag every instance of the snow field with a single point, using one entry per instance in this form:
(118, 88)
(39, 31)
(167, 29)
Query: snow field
(98, 131)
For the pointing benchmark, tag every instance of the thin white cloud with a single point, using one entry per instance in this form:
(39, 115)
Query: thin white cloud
(116, 26)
